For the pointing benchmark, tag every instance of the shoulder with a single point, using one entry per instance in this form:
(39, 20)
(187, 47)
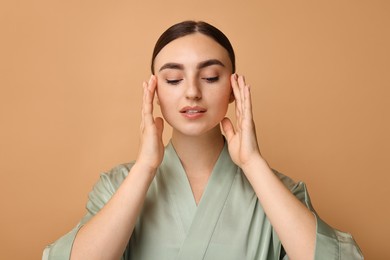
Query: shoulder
(330, 242)
(299, 189)
(287, 181)
(116, 175)
(106, 186)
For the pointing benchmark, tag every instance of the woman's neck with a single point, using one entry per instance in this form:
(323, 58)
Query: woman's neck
(198, 154)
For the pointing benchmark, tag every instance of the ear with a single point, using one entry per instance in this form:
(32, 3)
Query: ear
(231, 98)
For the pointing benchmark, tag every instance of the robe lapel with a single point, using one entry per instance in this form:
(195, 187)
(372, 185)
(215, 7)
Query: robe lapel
(179, 188)
(209, 209)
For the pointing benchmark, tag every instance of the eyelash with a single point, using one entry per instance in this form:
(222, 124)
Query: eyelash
(173, 81)
(212, 79)
(177, 81)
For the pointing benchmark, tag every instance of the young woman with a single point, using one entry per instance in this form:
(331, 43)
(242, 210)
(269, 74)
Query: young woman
(205, 195)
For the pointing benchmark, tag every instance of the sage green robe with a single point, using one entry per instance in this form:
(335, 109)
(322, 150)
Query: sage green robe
(228, 224)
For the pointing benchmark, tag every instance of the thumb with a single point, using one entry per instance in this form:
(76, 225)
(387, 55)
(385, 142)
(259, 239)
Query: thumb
(227, 128)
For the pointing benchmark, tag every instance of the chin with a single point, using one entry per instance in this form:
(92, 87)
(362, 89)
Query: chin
(198, 131)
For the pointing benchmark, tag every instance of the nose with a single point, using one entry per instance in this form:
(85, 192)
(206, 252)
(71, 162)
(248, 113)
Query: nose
(193, 90)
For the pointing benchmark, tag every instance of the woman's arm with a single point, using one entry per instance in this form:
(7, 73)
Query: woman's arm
(293, 222)
(106, 235)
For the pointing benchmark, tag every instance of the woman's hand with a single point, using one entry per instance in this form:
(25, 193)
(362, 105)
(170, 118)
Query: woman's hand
(106, 234)
(151, 150)
(297, 229)
(242, 141)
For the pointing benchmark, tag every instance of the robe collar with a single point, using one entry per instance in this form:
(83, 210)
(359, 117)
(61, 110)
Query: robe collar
(199, 222)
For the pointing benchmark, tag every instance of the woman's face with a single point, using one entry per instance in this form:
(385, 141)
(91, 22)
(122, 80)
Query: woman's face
(193, 83)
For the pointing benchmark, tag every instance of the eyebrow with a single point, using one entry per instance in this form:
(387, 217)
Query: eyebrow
(201, 65)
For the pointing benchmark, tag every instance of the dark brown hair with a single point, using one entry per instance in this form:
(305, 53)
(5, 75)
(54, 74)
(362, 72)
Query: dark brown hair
(189, 27)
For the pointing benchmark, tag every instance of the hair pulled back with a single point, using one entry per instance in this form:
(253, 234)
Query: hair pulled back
(189, 27)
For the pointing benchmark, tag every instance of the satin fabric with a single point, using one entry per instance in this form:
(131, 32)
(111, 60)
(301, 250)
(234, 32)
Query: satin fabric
(228, 223)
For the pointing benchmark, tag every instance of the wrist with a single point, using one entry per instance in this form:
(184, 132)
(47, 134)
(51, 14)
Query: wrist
(144, 170)
(255, 164)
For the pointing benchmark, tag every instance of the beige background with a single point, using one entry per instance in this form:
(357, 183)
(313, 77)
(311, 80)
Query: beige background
(71, 74)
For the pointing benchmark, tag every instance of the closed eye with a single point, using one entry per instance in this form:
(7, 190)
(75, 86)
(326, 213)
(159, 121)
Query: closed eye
(212, 79)
(173, 81)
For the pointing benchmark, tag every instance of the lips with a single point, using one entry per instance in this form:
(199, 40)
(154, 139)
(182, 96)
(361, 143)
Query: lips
(193, 113)
(192, 110)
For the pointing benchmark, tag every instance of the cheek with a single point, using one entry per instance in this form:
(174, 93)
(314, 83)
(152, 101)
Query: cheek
(166, 102)
(221, 101)
(161, 95)
(223, 94)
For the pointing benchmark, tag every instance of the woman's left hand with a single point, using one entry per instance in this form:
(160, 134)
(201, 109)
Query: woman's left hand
(242, 141)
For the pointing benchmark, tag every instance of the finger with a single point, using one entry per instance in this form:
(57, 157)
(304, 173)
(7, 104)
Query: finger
(237, 98)
(241, 85)
(148, 97)
(248, 102)
(148, 105)
(228, 128)
(236, 93)
(144, 85)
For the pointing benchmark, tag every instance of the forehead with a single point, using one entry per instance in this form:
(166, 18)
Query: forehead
(192, 49)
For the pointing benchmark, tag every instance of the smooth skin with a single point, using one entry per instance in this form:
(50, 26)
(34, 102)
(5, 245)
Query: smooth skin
(106, 235)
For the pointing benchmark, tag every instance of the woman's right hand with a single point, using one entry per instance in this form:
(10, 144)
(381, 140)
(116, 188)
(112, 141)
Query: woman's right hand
(106, 234)
(151, 150)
